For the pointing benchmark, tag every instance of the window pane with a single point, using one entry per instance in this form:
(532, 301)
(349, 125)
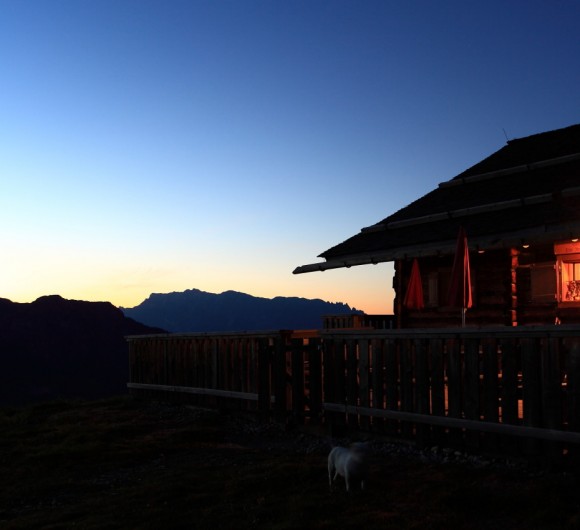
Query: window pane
(570, 281)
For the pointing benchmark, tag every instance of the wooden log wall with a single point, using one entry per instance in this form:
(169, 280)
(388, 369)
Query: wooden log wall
(495, 299)
(503, 390)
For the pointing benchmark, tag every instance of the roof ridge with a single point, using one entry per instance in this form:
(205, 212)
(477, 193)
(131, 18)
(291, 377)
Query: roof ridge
(560, 130)
(527, 150)
(474, 210)
(457, 181)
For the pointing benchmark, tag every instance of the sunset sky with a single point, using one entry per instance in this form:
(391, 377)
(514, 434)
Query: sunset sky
(162, 145)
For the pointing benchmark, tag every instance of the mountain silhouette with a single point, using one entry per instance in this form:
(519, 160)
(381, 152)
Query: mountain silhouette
(198, 311)
(56, 348)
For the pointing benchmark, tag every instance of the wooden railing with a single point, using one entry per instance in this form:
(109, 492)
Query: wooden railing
(358, 321)
(205, 368)
(514, 390)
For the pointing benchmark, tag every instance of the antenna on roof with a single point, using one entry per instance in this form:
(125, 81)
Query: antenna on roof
(505, 134)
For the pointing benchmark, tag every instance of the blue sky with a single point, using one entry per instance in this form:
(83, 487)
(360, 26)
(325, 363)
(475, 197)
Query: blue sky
(155, 146)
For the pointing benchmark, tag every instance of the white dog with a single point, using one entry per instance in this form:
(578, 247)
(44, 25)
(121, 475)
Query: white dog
(351, 463)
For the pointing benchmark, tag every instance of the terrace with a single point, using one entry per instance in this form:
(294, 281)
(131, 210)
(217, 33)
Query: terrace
(501, 390)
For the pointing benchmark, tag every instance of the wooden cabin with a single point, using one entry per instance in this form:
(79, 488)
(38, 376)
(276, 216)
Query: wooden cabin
(520, 210)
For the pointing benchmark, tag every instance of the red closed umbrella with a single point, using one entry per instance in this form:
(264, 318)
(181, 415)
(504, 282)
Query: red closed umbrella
(460, 285)
(414, 295)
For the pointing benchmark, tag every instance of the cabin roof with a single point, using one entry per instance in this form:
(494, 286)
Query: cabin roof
(527, 191)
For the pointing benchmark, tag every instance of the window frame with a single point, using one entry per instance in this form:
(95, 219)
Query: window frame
(562, 259)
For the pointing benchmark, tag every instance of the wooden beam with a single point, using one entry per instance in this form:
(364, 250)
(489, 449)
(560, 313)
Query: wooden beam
(200, 391)
(445, 421)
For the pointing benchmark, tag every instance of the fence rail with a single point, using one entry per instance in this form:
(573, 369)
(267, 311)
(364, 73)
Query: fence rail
(514, 390)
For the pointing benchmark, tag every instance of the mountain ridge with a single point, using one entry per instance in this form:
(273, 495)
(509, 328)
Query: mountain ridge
(55, 348)
(194, 310)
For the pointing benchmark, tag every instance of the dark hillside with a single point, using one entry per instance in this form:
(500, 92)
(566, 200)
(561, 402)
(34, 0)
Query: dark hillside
(199, 311)
(56, 348)
(124, 464)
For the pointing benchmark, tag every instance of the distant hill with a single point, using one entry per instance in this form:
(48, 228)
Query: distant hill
(198, 311)
(56, 348)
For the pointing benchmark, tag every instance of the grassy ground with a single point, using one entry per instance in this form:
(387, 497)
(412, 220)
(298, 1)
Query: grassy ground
(126, 464)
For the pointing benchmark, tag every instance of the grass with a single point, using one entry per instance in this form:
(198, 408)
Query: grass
(122, 463)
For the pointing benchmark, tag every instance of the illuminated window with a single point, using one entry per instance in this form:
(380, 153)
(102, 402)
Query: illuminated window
(569, 280)
(568, 269)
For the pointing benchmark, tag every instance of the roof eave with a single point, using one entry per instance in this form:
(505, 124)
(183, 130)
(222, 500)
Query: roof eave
(536, 235)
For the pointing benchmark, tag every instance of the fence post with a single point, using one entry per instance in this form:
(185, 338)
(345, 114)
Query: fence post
(264, 378)
(164, 377)
(280, 378)
(297, 374)
(471, 383)
(422, 389)
(334, 382)
(377, 382)
(531, 391)
(490, 390)
(212, 347)
(351, 382)
(437, 387)
(315, 379)
(392, 375)
(132, 360)
(509, 390)
(364, 390)
(407, 387)
(454, 387)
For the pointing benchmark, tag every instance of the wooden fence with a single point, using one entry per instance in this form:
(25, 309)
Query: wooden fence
(502, 390)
